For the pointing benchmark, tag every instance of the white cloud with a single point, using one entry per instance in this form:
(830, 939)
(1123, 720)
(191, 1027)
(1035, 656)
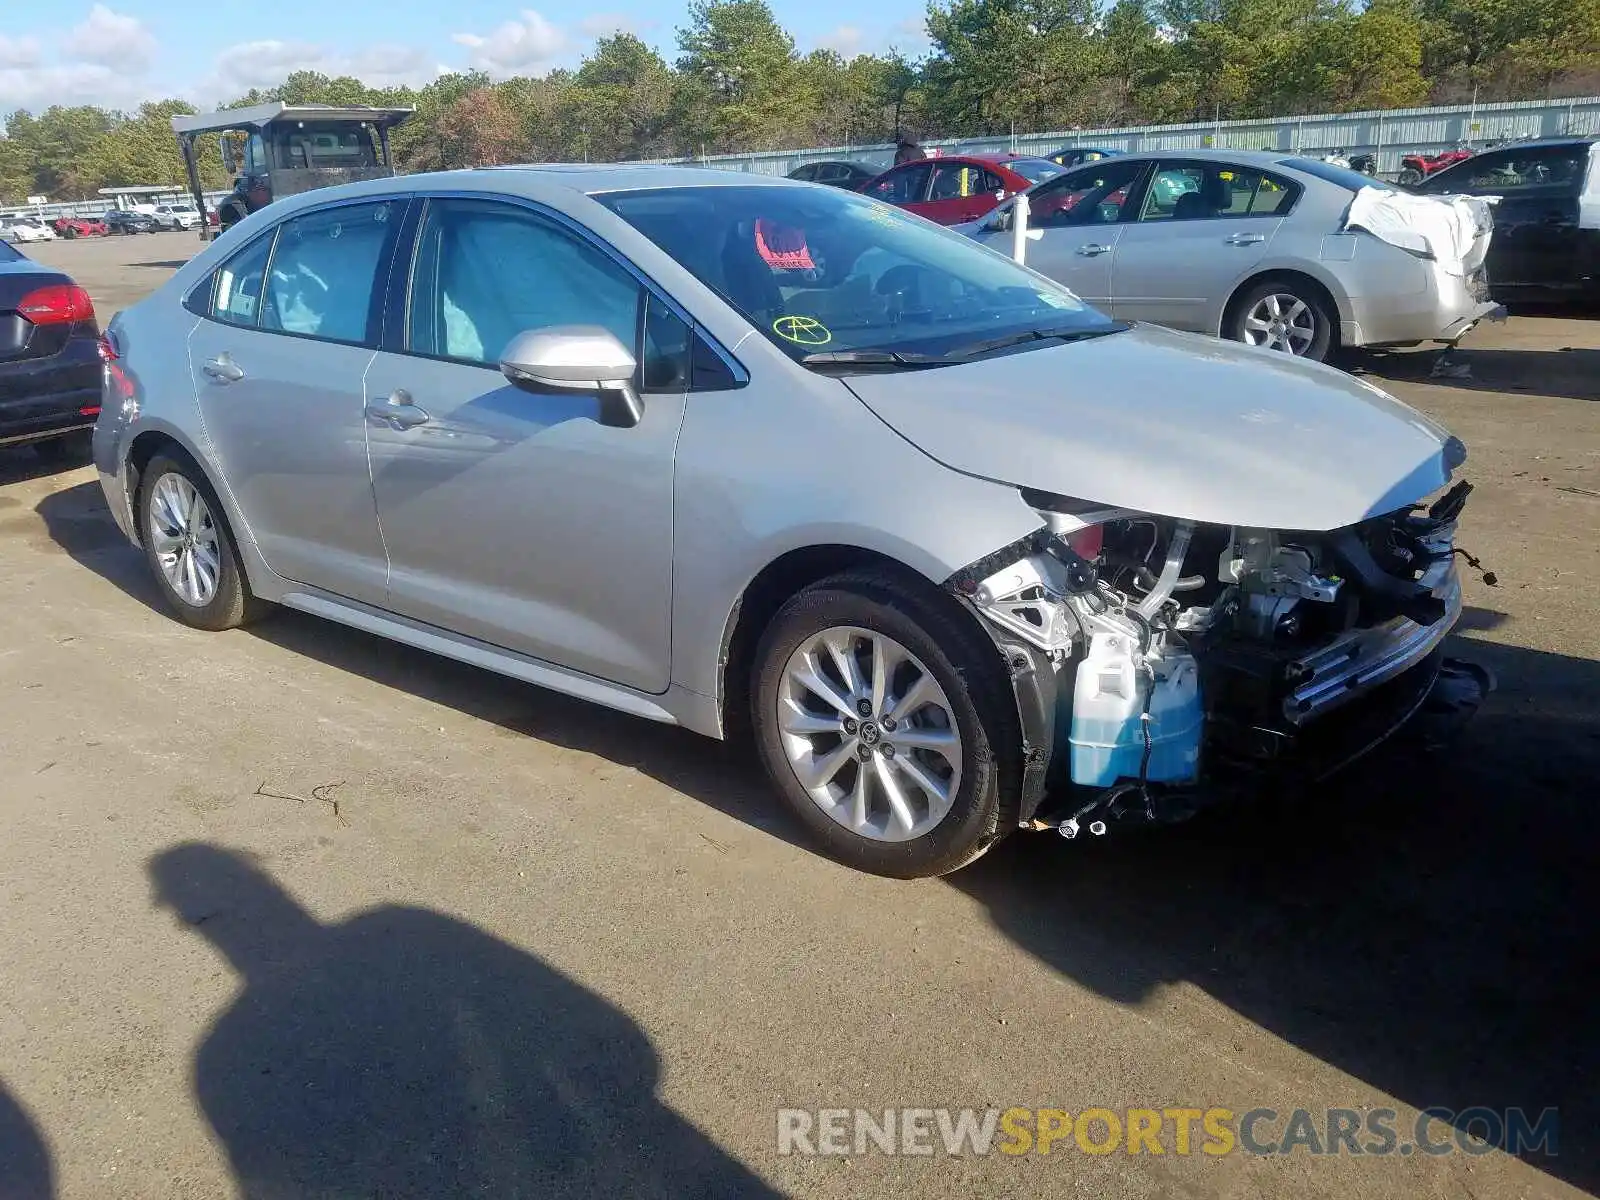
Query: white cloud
(37, 88)
(111, 39)
(104, 60)
(909, 36)
(265, 64)
(19, 54)
(529, 46)
(845, 41)
(599, 25)
(392, 66)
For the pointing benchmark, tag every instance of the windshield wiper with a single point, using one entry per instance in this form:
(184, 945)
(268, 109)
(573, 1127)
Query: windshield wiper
(973, 349)
(871, 358)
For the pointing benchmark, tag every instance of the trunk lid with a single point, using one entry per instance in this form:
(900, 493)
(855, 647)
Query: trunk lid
(19, 337)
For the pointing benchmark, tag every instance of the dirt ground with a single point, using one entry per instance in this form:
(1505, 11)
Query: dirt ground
(293, 911)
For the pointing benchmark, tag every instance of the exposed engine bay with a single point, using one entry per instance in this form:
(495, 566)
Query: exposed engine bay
(1157, 661)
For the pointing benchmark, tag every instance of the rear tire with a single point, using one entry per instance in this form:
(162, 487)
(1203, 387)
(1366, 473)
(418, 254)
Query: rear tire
(1284, 315)
(190, 549)
(914, 775)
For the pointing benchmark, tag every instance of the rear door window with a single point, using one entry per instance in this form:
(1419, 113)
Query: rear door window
(323, 275)
(1201, 191)
(236, 299)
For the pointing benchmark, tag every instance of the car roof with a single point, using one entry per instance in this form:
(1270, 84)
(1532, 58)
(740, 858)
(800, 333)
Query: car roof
(1534, 142)
(593, 178)
(987, 156)
(1255, 158)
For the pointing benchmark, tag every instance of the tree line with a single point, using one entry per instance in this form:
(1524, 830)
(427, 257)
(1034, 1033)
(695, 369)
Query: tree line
(738, 83)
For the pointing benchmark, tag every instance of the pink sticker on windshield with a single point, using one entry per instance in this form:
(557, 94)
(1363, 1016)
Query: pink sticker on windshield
(782, 246)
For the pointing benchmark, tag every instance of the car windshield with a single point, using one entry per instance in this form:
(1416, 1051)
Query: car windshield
(831, 275)
(1334, 173)
(1035, 170)
(7, 254)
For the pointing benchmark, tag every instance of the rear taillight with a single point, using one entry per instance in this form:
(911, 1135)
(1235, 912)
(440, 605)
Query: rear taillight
(57, 304)
(108, 348)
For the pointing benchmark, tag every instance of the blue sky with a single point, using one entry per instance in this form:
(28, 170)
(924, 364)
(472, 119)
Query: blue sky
(121, 52)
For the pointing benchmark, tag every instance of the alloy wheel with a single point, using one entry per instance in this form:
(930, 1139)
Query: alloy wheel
(184, 537)
(869, 733)
(1281, 321)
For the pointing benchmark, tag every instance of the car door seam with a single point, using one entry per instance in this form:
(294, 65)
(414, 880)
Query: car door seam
(372, 483)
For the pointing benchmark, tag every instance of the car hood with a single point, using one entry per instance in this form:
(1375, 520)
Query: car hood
(1176, 425)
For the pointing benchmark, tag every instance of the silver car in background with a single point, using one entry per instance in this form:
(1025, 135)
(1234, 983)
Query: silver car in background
(769, 459)
(1246, 245)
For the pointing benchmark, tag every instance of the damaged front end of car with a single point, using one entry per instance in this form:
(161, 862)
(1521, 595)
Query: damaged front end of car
(1160, 664)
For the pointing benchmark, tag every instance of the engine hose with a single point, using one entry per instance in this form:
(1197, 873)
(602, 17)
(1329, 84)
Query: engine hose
(1146, 633)
(1176, 549)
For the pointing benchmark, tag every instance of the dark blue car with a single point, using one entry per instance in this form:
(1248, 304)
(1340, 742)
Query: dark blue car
(49, 359)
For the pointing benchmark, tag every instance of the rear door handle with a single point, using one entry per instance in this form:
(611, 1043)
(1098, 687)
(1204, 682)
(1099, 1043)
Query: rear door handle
(1092, 249)
(1245, 239)
(399, 411)
(222, 369)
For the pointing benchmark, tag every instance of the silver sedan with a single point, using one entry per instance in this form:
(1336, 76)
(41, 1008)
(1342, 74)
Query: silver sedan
(767, 458)
(1243, 244)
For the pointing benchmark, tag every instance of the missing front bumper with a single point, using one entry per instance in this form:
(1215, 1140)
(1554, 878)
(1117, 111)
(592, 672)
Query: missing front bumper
(1419, 711)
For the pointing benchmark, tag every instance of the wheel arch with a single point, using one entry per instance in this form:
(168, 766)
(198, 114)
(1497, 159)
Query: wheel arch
(1324, 288)
(162, 440)
(772, 586)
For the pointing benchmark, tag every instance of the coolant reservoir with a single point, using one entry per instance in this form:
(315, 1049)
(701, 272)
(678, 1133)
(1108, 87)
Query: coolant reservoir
(1107, 703)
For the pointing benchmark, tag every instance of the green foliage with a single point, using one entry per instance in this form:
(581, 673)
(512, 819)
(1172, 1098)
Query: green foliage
(995, 66)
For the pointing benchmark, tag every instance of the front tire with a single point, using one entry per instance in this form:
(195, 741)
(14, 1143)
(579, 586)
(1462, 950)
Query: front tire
(1409, 177)
(190, 549)
(887, 724)
(1283, 315)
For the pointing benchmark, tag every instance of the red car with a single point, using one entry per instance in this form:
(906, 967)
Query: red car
(77, 227)
(959, 187)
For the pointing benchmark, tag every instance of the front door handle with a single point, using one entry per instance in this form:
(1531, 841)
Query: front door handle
(222, 369)
(399, 411)
(1245, 239)
(1092, 249)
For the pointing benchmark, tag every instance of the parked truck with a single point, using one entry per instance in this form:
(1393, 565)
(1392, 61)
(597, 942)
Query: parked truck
(275, 150)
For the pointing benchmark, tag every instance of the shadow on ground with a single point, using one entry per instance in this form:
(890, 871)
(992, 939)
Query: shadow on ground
(19, 464)
(25, 1169)
(1572, 372)
(1425, 925)
(167, 264)
(405, 1053)
(723, 776)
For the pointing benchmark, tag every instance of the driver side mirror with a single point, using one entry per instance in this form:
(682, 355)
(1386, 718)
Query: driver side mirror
(577, 358)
